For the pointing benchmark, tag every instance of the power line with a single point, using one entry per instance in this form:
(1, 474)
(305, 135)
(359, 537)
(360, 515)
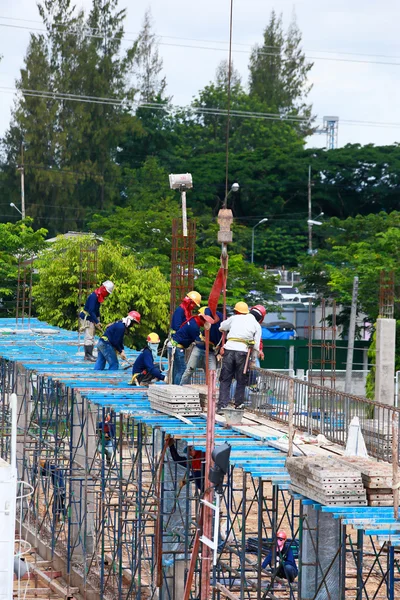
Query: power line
(213, 48)
(171, 108)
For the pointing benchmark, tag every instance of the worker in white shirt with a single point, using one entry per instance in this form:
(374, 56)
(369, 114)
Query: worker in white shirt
(242, 343)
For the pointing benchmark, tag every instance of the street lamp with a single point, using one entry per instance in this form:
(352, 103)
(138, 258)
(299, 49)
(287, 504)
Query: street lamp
(310, 223)
(16, 208)
(252, 238)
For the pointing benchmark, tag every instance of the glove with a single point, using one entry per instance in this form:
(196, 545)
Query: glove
(98, 325)
(123, 356)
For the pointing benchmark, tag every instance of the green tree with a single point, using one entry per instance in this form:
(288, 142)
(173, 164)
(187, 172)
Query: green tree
(71, 144)
(18, 242)
(149, 64)
(57, 291)
(279, 69)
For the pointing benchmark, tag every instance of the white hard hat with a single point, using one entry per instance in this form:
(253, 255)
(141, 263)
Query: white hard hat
(109, 286)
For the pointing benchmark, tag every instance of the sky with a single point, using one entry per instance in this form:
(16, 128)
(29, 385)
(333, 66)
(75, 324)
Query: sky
(349, 41)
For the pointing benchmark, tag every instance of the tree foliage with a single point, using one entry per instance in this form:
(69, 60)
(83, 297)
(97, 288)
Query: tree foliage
(56, 293)
(279, 69)
(18, 242)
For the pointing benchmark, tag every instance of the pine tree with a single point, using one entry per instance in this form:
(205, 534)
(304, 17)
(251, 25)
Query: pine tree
(71, 144)
(279, 69)
(149, 64)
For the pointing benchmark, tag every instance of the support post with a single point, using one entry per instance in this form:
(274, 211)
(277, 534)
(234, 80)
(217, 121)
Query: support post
(309, 212)
(395, 463)
(352, 331)
(385, 360)
(290, 417)
(184, 213)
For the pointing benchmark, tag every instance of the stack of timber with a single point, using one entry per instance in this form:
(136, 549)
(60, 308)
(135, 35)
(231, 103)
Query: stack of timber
(326, 480)
(175, 400)
(377, 478)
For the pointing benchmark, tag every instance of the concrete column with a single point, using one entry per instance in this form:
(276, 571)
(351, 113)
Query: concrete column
(385, 360)
(23, 412)
(82, 498)
(320, 574)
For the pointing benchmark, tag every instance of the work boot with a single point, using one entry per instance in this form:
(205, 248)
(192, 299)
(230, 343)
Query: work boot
(89, 354)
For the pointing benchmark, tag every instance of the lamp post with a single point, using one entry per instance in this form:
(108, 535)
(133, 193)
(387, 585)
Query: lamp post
(252, 238)
(16, 208)
(310, 223)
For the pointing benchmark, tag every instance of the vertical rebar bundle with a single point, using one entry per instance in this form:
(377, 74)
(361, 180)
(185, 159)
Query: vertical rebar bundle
(182, 261)
(386, 295)
(322, 347)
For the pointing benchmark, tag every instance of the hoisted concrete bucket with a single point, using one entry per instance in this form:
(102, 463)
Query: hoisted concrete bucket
(233, 416)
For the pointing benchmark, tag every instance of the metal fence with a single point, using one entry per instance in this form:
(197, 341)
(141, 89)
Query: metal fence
(320, 409)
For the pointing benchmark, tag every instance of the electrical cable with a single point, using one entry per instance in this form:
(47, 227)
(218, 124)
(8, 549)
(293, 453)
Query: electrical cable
(123, 38)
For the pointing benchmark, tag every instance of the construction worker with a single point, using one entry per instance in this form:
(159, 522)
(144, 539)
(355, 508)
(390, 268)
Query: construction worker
(113, 341)
(144, 370)
(195, 460)
(181, 315)
(285, 562)
(184, 311)
(243, 340)
(181, 340)
(106, 438)
(198, 354)
(57, 477)
(259, 313)
(89, 317)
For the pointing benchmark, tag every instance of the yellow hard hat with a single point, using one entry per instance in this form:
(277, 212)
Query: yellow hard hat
(195, 297)
(153, 338)
(241, 308)
(202, 310)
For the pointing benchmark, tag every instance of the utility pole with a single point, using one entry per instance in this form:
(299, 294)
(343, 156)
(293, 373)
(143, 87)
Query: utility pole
(22, 171)
(352, 331)
(309, 213)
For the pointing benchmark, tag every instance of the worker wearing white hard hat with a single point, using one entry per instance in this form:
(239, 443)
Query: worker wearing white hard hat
(89, 317)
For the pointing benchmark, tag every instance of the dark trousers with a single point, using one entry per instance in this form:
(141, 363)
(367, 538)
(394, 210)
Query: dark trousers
(233, 364)
(287, 572)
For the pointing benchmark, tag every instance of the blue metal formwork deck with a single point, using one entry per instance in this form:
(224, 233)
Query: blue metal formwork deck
(53, 352)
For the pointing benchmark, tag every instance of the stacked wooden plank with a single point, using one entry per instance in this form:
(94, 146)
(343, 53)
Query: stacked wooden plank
(377, 479)
(326, 480)
(175, 400)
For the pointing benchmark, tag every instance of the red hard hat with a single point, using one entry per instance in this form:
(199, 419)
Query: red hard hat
(260, 309)
(281, 534)
(134, 315)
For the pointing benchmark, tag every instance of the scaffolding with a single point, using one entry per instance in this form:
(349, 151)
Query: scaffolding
(182, 261)
(322, 346)
(120, 520)
(23, 305)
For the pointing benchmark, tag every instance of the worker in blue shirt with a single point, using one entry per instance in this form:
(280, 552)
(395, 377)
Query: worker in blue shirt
(181, 340)
(198, 354)
(144, 370)
(89, 317)
(184, 311)
(285, 562)
(113, 341)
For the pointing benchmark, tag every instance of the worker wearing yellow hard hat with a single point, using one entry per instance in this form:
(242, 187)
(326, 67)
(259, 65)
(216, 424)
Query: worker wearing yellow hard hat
(144, 369)
(197, 358)
(242, 341)
(180, 317)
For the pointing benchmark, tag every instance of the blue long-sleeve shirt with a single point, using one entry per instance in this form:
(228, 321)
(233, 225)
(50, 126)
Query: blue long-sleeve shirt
(215, 333)
(145, 363)
(187, 334)
(178, 318)
(115, 335)
(92, 307)
(287, 557)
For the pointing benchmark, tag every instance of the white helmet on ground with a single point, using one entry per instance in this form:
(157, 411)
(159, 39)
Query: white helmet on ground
(109, 286)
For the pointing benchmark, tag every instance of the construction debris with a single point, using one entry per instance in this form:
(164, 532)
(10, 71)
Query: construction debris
(175, 400)
(327, 480)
